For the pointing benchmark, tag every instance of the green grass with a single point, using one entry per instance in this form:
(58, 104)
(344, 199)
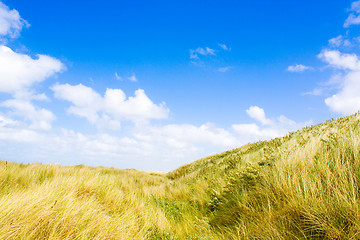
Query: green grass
(305, 185)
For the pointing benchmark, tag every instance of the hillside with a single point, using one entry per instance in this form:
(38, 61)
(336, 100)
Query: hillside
(302, 186)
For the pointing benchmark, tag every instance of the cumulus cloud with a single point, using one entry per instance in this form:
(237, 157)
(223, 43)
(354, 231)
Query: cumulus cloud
(183, 136)
(18, 75)
(340, 60)
(298, 68)
(269, 129)
(259, 115)
(137, 107)
(146, 146)
(40, 118)
(347, 100)
(347, 77)
(354, 17)
(20, 71)
(5, 121)
(114, 105)
(143, 146)
(10, 22)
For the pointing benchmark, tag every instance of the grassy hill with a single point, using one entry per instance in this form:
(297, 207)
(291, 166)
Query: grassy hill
(302, 186)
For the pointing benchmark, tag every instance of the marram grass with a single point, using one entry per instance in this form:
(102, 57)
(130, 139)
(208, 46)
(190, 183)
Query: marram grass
(305, 185)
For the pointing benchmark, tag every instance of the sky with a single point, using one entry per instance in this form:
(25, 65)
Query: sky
(154, 85)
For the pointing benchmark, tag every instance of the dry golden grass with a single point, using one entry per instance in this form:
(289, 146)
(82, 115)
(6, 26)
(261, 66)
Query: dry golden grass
(305, 185)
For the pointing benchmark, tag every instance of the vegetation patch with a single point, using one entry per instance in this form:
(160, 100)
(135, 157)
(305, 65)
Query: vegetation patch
(304, 185)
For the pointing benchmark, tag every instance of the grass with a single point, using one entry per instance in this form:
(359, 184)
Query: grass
(302, 186)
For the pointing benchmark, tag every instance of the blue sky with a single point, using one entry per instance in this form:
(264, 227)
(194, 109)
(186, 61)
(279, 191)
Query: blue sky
(155, 85)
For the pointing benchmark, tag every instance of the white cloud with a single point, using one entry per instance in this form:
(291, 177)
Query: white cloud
(346, 43)
(337, 41)
(224, 47)
(10, 22)
(258, 114)
(40, 118)
(340, 60)
(188, 136)
(354, 17)
(298, 68)
(134, 108)
(324, 88)
(355, 6)
(79, 95)
(146, 146)
(201, 51)
(347, 100)
(117, 76)
(224, 69)
(209, 51)
(86, 103)
(18, 75)
(142, 146)
(113, 106)
(30, 95)
(193, 54)
(133, 78)
(252, 132)
(346, 79)
(5, 122)
(19, 71)
(315, 92)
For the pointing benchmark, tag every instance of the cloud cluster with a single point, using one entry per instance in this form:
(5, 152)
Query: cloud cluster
(347, 100)
(10, 22)
(143, 145)
(131, 78)
(194, 53)
(339, 41)
(19, 72)
(354, 16)
(340, 60)
(147, 146)
(268, 129)
(197, 57)
(40, 118)
(346, 66)
(110, 108)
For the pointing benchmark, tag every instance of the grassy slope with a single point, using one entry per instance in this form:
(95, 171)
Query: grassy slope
(302, 186)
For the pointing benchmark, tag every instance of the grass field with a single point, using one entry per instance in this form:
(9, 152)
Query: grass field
(302, 186)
